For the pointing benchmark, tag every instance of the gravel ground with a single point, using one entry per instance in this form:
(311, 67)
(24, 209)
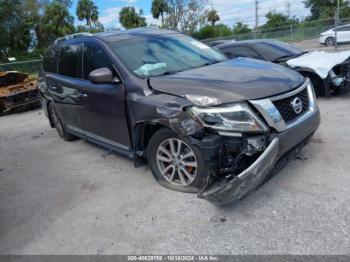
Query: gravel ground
(61, 197)
(313, 44)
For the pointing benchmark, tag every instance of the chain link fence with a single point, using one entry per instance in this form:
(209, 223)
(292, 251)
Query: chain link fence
(297, 32)
(32, 67)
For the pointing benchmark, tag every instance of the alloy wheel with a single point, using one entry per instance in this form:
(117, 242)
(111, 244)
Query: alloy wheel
(177, 162)
(330, 41)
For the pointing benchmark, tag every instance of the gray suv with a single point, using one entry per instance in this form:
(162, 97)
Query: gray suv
(203, 123)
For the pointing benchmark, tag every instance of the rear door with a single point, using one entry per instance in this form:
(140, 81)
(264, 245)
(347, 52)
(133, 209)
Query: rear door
(343, 34)
(63, 82)
(104, 112)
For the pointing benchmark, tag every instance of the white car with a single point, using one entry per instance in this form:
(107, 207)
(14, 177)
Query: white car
(343, 35)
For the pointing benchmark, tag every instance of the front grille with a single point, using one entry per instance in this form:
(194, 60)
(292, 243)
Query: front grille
(286, 109)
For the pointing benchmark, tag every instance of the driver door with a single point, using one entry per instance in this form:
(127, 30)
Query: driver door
(103, 113)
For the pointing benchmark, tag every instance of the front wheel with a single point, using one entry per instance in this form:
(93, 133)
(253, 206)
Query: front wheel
(330, 41)
(175, 163)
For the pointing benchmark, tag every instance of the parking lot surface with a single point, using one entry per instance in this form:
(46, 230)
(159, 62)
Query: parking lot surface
(314, 45)
(60, 197)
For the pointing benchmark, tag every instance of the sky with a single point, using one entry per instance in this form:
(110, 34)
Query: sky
(230, 11)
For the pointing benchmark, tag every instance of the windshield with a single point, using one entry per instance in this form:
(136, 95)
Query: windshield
(275, 50)
(164, 54)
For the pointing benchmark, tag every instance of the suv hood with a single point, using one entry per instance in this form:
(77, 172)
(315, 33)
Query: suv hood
(230, 81)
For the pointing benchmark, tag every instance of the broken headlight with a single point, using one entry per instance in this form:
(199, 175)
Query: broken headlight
(235, 117)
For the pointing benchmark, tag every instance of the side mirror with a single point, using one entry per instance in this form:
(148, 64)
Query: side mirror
(103, 76)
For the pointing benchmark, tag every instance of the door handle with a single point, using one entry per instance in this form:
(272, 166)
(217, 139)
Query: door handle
(82, 95)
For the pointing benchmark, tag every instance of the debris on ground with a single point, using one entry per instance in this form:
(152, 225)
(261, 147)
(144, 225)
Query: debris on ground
(301, 157)
(17, 91)
(222, 219)
(218, 219)
(106, 153)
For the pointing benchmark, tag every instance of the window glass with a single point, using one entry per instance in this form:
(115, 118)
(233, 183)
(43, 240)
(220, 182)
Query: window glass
(273, 50)
(344, 28)
(240, 51)
(69, 62)
(50, 60)
(95, 58)
(164, 54)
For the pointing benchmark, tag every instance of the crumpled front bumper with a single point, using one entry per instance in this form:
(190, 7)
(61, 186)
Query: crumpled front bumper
(224, 191)
(281, 148)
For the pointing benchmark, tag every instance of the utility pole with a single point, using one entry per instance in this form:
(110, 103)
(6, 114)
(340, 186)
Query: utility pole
(288, 9)
(336, 20)
(256, 18)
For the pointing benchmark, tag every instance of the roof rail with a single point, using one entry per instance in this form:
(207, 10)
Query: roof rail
(66, 37)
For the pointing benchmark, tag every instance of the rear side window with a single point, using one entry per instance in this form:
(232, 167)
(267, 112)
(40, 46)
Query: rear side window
(240, 51)
(50, 60)
(94, 58)
(69, 62)
(343, 29)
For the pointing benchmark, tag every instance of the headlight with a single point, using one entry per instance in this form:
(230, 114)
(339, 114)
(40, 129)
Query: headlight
(238, 118)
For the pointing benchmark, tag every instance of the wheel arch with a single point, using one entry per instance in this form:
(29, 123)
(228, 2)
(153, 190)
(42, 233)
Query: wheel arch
(320, 84)
(47, 108)
(142, 133)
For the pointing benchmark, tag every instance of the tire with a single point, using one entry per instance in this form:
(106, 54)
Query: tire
(58, 124)
(330, 41)
(174, 169)
(336, 90)
(317, 83)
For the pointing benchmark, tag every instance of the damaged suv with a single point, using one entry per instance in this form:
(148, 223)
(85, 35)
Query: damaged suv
(203, 123)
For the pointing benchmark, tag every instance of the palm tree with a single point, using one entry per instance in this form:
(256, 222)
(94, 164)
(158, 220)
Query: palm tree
(87, 10)
(213, 17)
(159, 7)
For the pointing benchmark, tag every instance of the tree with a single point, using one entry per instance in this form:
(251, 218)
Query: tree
(33, 11)
(325, 9)
(129, 18)
(210, 31)
(159, 8)
(213, 17)
(95, 29)
(56, 22)
(67, 3)
(192, 17)
(176, 9)
(240, 29)
(277, 20)
(203, 18)
(15, 37)
(87, 10)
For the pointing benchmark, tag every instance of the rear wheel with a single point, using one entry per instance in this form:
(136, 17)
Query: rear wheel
(175, 163)
(330, 41)
(60, 128)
